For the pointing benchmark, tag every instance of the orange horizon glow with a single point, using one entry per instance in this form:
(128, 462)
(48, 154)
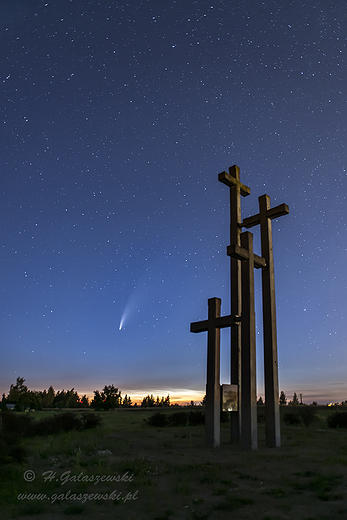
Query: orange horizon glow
(184, 396)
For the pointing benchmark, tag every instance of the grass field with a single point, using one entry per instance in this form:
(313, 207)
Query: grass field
(167, 473)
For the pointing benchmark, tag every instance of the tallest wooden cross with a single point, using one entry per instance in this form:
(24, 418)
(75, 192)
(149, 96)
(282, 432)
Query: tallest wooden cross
(264, 218)
(232, 180)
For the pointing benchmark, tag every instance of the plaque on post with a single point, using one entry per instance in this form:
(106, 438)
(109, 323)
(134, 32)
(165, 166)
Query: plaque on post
(229, 400)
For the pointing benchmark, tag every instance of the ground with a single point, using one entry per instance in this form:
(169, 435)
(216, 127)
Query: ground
(167, 473)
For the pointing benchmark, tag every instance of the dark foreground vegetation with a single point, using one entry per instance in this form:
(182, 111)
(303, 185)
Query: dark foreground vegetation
(15, 427)
(131, 464)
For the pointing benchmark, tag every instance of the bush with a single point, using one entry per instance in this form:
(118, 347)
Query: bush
(158, 420)
(46, 426)
(68, 421)
(196, 418)
(291, 418)
(63, 422)
(16, 425)
(178, 419)
(337, 420)
(90, 420)
(307, 414)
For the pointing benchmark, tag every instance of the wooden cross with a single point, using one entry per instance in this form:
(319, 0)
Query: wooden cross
(232, 180)
(212, 325)
(249, 434)
(242, 253)
(264, 217)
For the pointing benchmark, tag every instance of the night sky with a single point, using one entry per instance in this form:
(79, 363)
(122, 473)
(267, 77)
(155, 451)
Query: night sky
(116, 119)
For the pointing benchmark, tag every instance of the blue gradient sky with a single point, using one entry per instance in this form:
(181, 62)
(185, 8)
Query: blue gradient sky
(116, 120)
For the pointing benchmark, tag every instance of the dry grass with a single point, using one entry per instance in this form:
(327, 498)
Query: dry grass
(176, 478)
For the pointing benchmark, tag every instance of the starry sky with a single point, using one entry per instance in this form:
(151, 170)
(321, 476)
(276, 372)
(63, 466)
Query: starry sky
(116, 118)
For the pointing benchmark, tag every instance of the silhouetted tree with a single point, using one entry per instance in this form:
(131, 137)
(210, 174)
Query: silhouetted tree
(260, 401)
(48, 397)
(283, 399)
(109, 398)
(295, 400)
(19, 394)
(34, 400)
(69, 399)
(98, 401)
(113, 397)
(148, 401)
(126, 401)
(18, 390)
(84, 401)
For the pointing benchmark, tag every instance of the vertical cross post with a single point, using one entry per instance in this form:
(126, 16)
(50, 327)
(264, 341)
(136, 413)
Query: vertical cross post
(272, 413)
(212, 410)
(232, 180)
(213, 325)
(249, 439)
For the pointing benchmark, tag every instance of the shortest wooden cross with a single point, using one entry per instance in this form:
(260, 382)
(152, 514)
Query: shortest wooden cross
(212, 326)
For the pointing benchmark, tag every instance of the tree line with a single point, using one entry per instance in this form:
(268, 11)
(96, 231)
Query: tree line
(21, 398)
(284, 401)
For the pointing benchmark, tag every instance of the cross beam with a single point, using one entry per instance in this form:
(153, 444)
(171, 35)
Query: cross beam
(212, 326)
(241, 254)
(272, 414)
(270, 213)
(219, 323)
(233, 179)
(237, 189)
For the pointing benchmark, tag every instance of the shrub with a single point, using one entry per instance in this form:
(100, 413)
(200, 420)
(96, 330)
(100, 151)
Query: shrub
(46, 426)
(90, 420)
(157, 420)
(14, 427)
(178, 419)
(57, 423)
(291, 418)
(17, 425)
(337, 420)
(68, 421)
(196, 418)
(307, 414)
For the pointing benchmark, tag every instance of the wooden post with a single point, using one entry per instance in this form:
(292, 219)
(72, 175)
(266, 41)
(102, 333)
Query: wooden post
(249, 439)
(212, 409)
(272, 409)
(232, 180)
(213, 325)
